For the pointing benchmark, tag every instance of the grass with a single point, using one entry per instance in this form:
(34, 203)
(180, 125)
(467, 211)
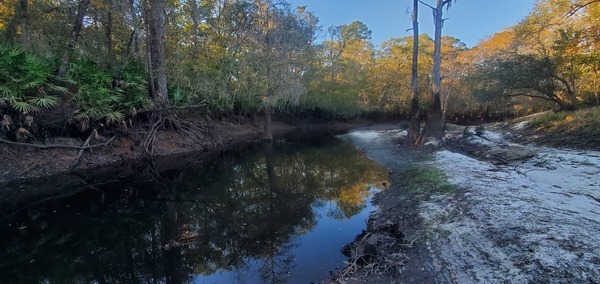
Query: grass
(427, 178)
(575, 129)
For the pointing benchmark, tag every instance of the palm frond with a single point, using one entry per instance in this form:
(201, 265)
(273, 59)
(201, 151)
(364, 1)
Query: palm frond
(45, 102)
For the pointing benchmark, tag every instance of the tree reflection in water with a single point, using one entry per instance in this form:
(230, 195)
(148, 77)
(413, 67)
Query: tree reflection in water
(241, 212)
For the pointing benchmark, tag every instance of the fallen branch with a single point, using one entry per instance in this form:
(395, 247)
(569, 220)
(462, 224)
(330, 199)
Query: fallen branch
(85, 144)
(48, 146)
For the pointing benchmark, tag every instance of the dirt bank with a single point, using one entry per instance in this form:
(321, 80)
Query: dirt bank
(22, 162)
(29, 175)
(501, 213)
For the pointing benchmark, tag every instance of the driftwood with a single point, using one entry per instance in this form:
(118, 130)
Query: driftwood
(49, 146)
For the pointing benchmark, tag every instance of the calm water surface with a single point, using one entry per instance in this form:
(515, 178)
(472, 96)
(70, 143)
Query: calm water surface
(259, 213)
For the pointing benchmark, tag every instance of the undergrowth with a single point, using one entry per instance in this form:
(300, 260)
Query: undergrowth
(578, 129)
(427, 178)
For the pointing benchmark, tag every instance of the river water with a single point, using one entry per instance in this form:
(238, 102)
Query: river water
(256, 213)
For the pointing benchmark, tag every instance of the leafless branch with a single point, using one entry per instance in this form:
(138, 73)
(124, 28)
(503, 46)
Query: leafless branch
(432, 8)
(48, 146)
(85, 144)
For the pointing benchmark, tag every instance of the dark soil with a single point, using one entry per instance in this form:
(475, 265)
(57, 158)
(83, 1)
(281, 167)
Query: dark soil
(23, 162)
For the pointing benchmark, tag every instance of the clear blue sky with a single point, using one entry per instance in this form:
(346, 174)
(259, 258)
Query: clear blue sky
(469, 20)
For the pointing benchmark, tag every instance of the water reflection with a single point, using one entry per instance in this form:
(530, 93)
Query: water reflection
(242, 216)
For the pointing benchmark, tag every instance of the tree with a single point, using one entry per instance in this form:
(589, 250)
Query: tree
(340, 38)
(155, 22)
(74, 38)
(414, 115)
(341, 85)
(434, 126)
(524, 75)
(283, 41)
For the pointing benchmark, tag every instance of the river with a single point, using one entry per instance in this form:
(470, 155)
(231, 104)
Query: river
(255, 213)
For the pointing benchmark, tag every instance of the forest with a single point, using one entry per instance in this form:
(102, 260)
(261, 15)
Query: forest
(67, 66)
(242, 141)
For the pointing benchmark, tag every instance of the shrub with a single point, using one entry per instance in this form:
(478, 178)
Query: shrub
(27, 82)
(102, 96)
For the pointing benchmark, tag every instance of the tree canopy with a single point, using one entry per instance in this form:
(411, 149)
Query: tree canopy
(105, 61)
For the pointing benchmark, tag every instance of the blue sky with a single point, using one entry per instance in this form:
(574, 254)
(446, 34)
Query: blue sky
(469, 20)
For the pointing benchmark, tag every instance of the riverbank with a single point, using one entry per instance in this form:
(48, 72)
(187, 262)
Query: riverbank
(23, 162)
(482, 210)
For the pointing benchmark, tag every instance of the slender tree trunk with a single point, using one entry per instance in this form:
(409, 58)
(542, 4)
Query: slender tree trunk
(110, 56)
(135, 35)
(434, 117)
(332, 72)
(74, 38)
(265, 25)
(24, 22)
(155, 15)
(268, 125)
(195, 15)
(415, 114)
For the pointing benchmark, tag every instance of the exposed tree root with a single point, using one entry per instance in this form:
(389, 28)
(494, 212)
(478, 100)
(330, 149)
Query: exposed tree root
(185, 126)
(369, 255)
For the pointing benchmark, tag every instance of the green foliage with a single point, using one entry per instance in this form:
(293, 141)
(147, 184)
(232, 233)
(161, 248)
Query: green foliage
(101, 96)
(132, 81)
(27, 84)
(547, 120)
(579, 129)
(336, 104)
(427, 178)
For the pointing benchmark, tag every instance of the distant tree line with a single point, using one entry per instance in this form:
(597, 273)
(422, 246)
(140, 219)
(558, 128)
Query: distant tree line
(104, 61)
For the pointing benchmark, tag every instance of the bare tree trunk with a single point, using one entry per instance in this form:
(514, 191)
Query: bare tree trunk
(74, 38)
(434, 118)
(414, 115)
(155, 15)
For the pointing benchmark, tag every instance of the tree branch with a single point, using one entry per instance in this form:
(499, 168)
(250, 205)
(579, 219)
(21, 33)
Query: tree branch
(432, 8)
(48, 146)
(575, 8)
(566, 83)
(85, 144)
(547, 98)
